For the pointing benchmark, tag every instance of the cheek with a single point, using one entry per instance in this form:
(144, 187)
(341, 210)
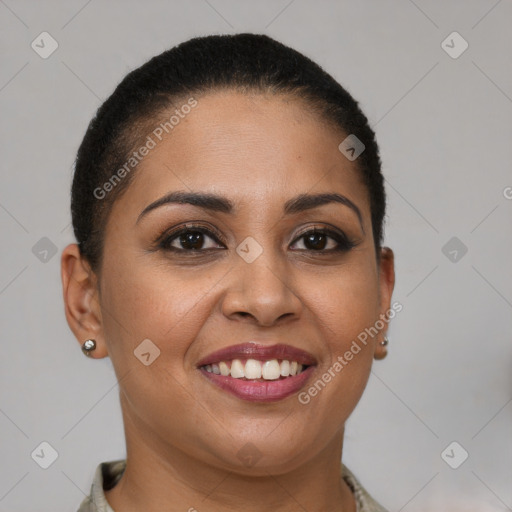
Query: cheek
(167, 308)
(345, 304)
(149, 303)
(344, 308)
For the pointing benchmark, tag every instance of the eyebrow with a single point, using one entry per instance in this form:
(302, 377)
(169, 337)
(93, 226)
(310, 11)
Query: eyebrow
(216, 203)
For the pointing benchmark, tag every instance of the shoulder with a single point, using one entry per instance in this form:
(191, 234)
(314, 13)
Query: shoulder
(108, 473)
(106, 476)
(365, 503)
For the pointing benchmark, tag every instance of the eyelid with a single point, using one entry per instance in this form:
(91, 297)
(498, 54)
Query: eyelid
(325, 228)
(191, 226)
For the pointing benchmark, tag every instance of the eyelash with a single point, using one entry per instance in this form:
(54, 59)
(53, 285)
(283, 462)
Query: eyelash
(343, 243)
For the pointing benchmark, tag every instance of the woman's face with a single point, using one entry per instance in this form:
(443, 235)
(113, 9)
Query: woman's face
(251, 277)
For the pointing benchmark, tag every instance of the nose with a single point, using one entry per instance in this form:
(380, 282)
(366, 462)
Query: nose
(261, 292)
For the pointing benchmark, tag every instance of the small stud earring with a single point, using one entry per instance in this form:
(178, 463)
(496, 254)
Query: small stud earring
(88, 346)
(385, 341)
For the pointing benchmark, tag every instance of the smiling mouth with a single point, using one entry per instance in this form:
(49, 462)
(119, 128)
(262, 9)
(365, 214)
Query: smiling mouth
(258, 373)
(255, 370)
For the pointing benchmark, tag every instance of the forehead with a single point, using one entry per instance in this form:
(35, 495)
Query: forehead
(246, 146)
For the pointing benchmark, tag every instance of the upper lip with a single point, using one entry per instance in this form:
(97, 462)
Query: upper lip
(259, 352)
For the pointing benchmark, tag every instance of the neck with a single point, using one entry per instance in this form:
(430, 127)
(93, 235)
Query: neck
(158, 474)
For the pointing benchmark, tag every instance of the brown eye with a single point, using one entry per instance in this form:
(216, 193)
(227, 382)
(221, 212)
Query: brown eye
(198, 239)
(325, 240)
(190, 239)
(315, 241)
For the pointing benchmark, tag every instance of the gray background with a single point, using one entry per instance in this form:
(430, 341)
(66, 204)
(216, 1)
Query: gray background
(445, 132)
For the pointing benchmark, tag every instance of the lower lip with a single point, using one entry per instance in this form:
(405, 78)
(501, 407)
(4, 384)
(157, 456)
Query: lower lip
(260, 391)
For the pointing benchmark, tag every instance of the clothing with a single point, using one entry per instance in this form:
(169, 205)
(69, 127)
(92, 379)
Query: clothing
(109, 473)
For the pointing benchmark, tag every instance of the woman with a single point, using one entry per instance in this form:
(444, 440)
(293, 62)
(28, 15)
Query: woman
(228, 206)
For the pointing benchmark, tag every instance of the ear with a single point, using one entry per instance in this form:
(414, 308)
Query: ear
(386, 283)
(81, 299)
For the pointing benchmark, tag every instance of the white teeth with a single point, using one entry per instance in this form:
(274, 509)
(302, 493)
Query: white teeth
(253, 369)
(271, 370)
(237, 369)
(285, 368)
(224, 368)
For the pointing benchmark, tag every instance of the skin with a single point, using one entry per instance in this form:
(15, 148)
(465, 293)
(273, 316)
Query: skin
(183, 434)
